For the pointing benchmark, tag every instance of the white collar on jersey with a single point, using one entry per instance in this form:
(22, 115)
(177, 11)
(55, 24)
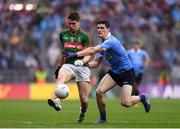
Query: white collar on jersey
(109, 34)
(136, 51)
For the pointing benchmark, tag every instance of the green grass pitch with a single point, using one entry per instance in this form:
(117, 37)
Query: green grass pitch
(37, 114)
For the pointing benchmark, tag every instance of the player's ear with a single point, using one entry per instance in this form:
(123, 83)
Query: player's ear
(78, 23)
(108, 30)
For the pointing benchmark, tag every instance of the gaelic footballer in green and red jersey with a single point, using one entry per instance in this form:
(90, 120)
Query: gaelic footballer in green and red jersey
(74, 43)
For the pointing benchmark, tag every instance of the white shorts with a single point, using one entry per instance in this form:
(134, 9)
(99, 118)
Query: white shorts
(80, 73)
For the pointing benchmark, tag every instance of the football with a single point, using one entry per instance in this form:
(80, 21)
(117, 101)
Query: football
(62, 91)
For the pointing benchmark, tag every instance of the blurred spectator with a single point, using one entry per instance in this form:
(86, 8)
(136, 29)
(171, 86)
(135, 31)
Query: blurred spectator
(164, 78)
(31, 62)
(40, 75)
(53, 54)
(15, 38)
(176, 12)
(175, 72)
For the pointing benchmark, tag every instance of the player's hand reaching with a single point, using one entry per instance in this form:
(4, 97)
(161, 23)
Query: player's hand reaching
(56, 72)
(79, 63)
(70, 54)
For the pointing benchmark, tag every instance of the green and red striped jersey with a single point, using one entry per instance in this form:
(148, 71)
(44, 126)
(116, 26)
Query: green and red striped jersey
(74, 43)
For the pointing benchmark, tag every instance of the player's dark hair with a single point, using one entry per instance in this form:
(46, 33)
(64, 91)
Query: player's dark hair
(105, 22)
(74, 16)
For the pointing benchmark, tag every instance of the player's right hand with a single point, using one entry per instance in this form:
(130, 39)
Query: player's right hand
(56, 72)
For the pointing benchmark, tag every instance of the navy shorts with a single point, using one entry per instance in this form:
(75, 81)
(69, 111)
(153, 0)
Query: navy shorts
(124, 78)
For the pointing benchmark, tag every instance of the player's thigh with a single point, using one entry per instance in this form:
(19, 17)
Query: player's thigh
(83, 88)
(106, 84)
(65, 73)
(125, 92)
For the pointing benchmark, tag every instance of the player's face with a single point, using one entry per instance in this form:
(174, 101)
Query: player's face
(136, 46)
(74, 25)
(102, 31)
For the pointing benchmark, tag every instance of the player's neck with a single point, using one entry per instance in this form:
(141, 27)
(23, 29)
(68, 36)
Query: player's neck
(74, 32)
(136, 49)
(106, 36)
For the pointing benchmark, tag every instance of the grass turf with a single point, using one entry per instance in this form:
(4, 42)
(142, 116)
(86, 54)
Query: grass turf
(37, 114)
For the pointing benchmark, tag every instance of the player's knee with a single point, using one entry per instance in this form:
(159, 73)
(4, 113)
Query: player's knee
(98, 92)
(126, 103)
(84, 100)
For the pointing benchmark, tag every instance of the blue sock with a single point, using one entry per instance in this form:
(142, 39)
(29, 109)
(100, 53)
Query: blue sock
(103, 115)
(141, 97)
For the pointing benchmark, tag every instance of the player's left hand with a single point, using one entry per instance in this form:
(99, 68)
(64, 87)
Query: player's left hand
(79, 63)
(70, 54)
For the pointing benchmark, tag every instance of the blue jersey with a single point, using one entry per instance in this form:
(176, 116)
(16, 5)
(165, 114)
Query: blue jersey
(137, 59)
(115, 54)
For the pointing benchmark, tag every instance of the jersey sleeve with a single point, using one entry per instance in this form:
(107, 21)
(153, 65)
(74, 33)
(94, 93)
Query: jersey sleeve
(61, 42)
(60, 38)
(146, 56)
(130, 53)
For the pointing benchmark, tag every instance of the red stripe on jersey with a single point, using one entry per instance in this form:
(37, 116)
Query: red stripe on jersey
(69, 45)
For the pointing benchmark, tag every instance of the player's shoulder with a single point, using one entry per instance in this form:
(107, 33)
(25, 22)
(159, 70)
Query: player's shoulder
(143, 51)
(81, 31)
(114, 40)
(64, 31)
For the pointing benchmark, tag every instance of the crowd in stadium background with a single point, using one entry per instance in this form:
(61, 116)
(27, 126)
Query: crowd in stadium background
(29, 39)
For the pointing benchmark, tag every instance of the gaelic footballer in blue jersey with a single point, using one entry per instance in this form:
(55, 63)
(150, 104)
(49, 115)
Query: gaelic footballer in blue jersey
(121, 71)
(139, 59)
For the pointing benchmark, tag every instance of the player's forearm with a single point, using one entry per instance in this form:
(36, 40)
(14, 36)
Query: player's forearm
(85, 52)
(93, 64)
(147, 61)
(86, 59)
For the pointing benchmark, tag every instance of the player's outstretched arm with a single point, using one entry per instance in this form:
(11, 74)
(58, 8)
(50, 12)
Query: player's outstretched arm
(85, 52)
(89, 51)
(96, 61)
